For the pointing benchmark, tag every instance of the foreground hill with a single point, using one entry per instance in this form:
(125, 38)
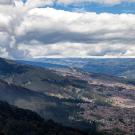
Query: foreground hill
(71, 96)
(15, 121)
(49, 107)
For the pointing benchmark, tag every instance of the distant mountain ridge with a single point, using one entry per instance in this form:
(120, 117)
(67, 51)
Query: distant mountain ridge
(122, 67)
(41, 64)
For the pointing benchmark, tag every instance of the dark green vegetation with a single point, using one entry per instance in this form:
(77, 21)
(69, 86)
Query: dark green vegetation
(15, 121)
(70, 96)
(47, 106)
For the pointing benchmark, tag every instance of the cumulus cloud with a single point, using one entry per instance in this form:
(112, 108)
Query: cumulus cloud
(30, 32)
(38, 3)
(77, 50)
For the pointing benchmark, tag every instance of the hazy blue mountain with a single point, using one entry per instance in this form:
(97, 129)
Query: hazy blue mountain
(116, 67)
(42, 64)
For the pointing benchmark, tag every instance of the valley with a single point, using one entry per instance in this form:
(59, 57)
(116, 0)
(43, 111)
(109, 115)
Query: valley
(70, 96)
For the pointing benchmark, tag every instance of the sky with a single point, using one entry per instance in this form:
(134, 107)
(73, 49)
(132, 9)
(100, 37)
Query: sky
(67, 28)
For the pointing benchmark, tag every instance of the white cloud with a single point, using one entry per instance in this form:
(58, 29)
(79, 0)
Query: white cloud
(38, 3)
(77, 50)
(7, 2)
(29, 31)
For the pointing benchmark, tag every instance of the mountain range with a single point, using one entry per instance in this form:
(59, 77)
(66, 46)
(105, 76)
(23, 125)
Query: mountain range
(120, 67)
(70, 96)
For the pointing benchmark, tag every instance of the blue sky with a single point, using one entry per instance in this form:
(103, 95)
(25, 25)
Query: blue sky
(124, 7)
(115, 8)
